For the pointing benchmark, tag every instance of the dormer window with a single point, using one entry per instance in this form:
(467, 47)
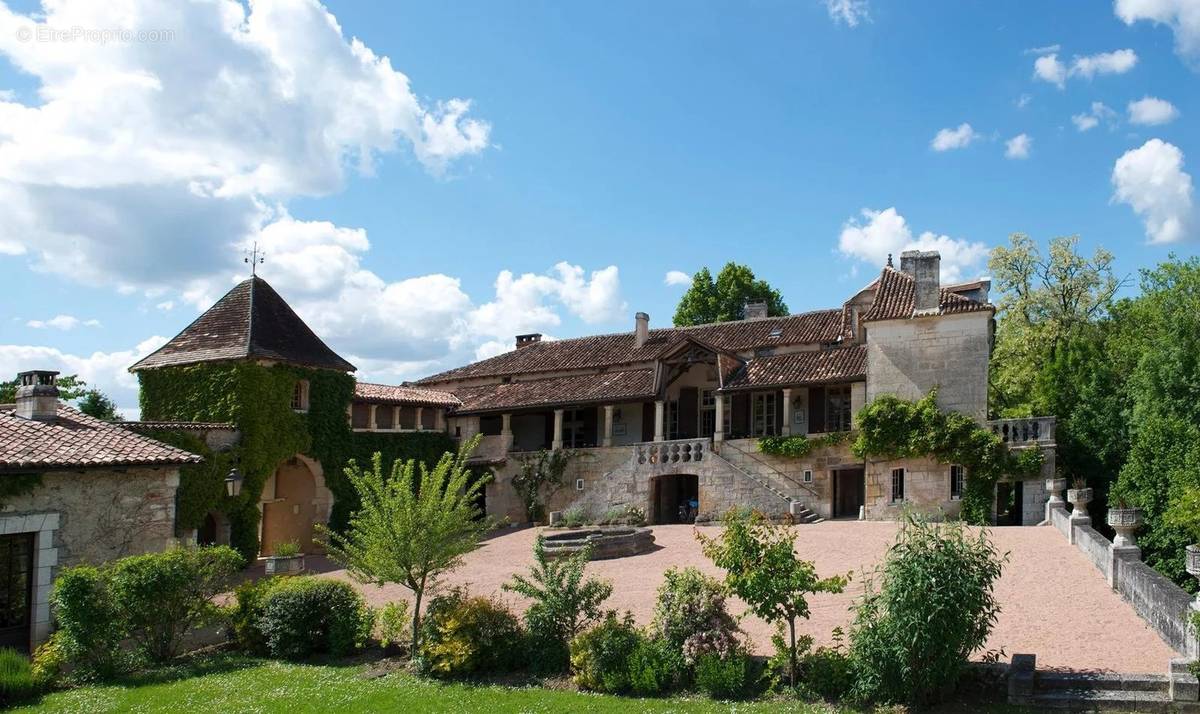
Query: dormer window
(300, 396)
(776, 333)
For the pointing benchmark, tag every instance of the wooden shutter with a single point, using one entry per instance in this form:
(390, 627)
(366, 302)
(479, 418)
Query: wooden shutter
(816, 410)
(689, 398)
(740, 419)
(647, 421)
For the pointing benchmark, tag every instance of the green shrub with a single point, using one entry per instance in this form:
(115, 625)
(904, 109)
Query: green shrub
(564, 604)
(164, 595)
(90, 623)
(624, 516)
(600, 656)
(302, 616)
(17, 682)
(691, 617)
(826, 671)
(48, 661)
(725, 677)
(464, 635)
(574, 517)
(287, 549)
(244, 615)
(391, 623)
(654, 668)
(911, 639)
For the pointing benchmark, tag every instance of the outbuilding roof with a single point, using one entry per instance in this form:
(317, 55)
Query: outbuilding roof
(76, 440)
(840, 364)
(404, 395)
(250, 321)
(565, 390)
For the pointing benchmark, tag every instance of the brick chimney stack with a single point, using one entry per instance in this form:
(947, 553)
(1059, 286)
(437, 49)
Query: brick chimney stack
(37, 395)
(754, 309)
(641, 330)
(526, 340)
(925, 267)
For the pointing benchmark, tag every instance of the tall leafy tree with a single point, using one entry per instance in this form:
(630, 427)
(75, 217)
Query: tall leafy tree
(70, 388)
(97, 404)
(725, 298)
(413, 526)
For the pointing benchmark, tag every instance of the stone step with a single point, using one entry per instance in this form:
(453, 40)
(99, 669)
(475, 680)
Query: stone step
(1102, 700)
(1046, 681)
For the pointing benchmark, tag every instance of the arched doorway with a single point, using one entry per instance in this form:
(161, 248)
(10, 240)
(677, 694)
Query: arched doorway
(675, 498)
(289, 506)
(213, 530)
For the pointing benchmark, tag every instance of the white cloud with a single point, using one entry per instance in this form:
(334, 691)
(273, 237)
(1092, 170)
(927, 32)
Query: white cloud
(877, 234)
(62, 322)
(957, 138)
(1092, 118)
(1118, 62)
(1182, 16)
(677, 277)
(106, 371)
(196, 136)
(166, 305)
(1023, 101)
(1048, 49)
(1151, 180)
(851, 12)
(1152, 111)
(1018, 147)
(1049, 68)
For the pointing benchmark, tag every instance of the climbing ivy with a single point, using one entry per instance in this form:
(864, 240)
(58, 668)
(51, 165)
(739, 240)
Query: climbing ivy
(800, 446)
(893, 428)
(14, 485)
(257, 399)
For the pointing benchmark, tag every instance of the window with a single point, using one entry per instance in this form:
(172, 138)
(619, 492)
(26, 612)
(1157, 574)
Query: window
(578, 484)
(575, 431)
(837, 408)
(708, 412)
(957, 479)
(897, 485)
(807, 475)
(764, 414)
(672, 407)
(300, 395)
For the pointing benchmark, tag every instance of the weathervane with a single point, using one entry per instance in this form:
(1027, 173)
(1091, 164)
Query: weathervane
(254, 258)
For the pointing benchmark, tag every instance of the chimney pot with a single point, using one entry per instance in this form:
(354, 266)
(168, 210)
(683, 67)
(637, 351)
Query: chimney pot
(37, 395)
(530, 339)
(641, 330)
(925, 267)
(754, 309)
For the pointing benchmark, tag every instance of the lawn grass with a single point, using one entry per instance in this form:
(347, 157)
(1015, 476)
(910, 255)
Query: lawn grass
(235, 683)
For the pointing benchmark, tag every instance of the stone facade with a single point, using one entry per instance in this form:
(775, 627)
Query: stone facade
(908, 358)
(91, 517)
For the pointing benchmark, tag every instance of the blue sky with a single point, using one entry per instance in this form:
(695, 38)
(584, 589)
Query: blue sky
(618, 141)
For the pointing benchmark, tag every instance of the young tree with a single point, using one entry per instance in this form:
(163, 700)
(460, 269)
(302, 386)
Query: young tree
(413, 525)
(725, 299)
(762, 569)
(564, 603)
(97, 404)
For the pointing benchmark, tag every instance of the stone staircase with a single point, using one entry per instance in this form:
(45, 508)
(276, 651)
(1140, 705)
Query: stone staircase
(778, 483)
(1098, 691)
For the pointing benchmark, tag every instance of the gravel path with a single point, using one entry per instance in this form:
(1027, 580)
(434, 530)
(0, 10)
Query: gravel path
(1054, 603)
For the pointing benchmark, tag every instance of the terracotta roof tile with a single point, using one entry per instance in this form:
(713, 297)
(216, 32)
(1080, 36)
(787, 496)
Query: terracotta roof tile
(618, 349)
(555, 391)
(841, 364)
(895, 296)
(75, 440)
(250, 321)
(141, 426)
(403, 394)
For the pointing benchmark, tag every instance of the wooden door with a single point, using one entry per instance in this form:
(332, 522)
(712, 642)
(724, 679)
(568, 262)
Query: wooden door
(16, 590)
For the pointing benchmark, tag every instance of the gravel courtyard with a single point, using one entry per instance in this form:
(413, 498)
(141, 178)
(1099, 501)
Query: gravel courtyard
(1054, 603)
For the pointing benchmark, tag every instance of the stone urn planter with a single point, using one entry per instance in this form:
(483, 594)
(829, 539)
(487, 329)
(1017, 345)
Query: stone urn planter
(1192, 564)
(1079, 498)
(1125, 521)
(1055, 487)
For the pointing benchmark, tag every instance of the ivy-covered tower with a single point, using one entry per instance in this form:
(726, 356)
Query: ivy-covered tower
(250, 361)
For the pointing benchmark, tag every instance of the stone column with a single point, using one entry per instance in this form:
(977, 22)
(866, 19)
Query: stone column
(606, 441)
(787, 413)
(396, 417)
(658, 419)
(439, 419)
(371, 417)
(506, 436)
(1124, 546)
(719, 430)
(558, 426)
(417, 424)
(350, 415)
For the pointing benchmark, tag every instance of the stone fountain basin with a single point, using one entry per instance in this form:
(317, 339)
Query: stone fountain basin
(606, 542)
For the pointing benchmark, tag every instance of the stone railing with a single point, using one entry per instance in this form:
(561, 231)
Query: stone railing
(1024, 432)
(679, 451)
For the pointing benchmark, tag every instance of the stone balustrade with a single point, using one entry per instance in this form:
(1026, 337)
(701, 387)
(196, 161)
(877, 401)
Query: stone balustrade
(678, 451)
(1024, 432)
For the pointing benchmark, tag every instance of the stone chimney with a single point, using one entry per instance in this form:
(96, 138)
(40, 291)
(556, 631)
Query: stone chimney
(37, 395)
(526, 340)
(925, 268)
(754, 309)
(641, 330)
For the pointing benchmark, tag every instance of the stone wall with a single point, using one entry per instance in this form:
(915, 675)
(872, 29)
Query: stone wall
(926, 489)
(907, 358)
(91, 517)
